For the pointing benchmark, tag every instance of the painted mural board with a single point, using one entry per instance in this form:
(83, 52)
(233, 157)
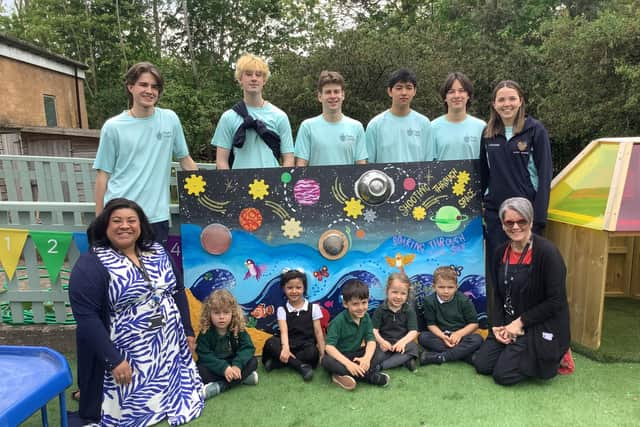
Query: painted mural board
(243, 228)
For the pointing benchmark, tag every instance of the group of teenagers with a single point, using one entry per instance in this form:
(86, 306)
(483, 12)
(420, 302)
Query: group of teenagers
(139, 361)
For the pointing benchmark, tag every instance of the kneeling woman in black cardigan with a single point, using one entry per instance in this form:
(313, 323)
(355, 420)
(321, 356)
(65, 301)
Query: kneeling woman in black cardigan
(530, 314)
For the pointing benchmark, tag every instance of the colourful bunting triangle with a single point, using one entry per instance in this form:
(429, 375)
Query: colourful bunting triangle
(52, 247)
(82, 243)
(11, 244)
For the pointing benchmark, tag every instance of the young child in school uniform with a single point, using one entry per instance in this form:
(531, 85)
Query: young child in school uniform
(299, 343)
(451, 321)
(395, 326)
(346, 358)
(225, 350)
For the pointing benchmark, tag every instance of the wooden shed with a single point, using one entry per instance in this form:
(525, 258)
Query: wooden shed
(594, 219)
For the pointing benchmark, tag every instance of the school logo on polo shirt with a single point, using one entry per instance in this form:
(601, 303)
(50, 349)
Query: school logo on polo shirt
(345, 137)
(413, 132)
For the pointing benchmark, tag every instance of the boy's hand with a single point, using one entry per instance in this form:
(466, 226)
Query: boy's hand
(355, 369)
(285, 354)
(446, 341)
(385, 345)
(363, 362)
(455, 338)
(399, 347)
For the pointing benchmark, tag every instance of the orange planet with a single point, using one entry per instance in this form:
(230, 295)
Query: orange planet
(250, 219)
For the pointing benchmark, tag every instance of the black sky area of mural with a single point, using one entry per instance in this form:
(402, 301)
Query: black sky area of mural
(220, 196)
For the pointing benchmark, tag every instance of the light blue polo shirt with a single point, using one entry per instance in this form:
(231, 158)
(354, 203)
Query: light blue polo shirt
(324, 143)
(137, 153)
(255, 153)
(457, 141)
(394, 139)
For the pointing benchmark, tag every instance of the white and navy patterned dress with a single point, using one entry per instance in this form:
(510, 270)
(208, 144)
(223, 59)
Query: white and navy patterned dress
(165, 382)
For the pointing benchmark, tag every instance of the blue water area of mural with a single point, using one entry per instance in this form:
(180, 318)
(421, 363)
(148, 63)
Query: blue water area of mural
(255, 279)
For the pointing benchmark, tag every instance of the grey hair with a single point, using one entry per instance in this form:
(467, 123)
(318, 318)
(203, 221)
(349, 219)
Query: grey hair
(519, 204)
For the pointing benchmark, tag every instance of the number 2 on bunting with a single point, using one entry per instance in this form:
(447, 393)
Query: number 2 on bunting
(54, 246)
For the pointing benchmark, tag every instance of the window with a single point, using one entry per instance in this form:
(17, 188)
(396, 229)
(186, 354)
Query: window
(50, 111)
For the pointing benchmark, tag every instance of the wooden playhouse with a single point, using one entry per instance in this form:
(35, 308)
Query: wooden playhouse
(594, 219)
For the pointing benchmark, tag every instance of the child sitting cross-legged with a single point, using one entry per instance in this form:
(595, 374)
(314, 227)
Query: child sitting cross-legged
(346, 358)
(451, 321)
(395, 326)
(299, 342)
(225, 350)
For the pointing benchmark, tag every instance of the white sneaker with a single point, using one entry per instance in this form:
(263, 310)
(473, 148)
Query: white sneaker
(252, 379)
(210, 390)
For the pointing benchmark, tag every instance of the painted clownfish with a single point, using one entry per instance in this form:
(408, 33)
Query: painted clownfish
(262, 311)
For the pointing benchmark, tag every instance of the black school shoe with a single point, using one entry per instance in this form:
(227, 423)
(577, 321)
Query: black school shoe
(379, 378)
(431, 358)
(306, 371)
(411, 365)
(267, 364)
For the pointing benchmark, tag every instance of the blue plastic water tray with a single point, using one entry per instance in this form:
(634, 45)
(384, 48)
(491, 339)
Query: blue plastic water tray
(29, 378)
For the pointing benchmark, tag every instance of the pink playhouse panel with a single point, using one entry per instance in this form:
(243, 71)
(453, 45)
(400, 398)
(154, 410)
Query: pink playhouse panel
(629, 215)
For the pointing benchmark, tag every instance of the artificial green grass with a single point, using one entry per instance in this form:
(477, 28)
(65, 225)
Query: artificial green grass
(449, 395)
(620, 340)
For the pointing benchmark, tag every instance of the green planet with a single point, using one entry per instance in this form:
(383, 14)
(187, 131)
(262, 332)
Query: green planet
(448, 218)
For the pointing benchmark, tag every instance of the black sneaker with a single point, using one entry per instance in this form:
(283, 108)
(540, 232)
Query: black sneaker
(268, 364)
(431, 358)
(306, 371)
(412, 365)
(379, 378)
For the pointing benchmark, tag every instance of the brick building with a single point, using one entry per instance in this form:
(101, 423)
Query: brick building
(43, 109)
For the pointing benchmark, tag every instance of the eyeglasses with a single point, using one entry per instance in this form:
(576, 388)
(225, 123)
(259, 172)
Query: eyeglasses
(521, 223)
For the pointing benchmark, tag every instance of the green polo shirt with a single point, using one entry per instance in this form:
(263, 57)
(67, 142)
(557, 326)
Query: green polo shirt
(451, 315)
(347, 336)
(393, 325)
(218, 352)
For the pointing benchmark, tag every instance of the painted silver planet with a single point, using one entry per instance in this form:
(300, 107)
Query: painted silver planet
(374, 187)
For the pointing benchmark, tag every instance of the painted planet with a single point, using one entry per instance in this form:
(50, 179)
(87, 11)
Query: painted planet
(250, 219)
(333, 244)
(448, 218)
(409, 184)
(306, 192)
(215, 239)
(285, 177)
(360, 233)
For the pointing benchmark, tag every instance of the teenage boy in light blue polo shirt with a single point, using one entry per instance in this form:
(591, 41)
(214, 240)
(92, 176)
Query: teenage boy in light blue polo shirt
(456, 135)
(136, 148)
(400, 134)
(252, 73)
(330, 138)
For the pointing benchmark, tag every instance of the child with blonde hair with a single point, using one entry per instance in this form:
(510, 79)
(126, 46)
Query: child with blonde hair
(395, 326)
(225, 350)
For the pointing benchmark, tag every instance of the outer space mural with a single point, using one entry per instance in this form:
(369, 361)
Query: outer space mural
(243, 228)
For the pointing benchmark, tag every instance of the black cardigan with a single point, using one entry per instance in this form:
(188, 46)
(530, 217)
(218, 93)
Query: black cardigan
(544, 307)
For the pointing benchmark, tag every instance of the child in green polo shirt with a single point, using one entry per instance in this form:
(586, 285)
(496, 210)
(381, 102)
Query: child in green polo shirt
(395, 326)
(347, 358)
(451, 321)
(225, 350)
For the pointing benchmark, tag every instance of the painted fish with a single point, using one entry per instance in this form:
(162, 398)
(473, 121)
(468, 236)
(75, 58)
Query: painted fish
(262, 311)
